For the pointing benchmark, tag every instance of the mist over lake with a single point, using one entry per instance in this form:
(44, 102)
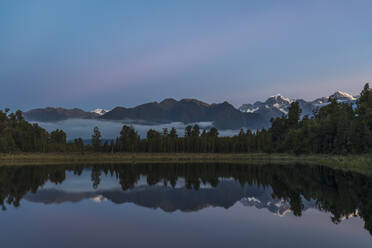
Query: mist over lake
(83, 128)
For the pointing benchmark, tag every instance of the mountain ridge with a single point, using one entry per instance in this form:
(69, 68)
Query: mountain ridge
(188, 110)
(223, 115)
(51, 114)
(277, 105)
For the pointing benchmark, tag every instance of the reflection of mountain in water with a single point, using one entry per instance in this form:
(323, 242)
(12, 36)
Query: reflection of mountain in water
(50, 196)
(277, 206)
(278, 188)
(169, 199)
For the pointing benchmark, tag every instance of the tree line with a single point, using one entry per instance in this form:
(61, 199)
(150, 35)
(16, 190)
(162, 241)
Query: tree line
(337, 128)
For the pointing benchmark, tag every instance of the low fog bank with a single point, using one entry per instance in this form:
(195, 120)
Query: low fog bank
(83, 128)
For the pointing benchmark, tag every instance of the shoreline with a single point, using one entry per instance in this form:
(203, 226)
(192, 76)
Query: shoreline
(356, 163)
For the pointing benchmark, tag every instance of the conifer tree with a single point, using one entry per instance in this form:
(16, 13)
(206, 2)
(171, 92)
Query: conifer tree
(96, 139)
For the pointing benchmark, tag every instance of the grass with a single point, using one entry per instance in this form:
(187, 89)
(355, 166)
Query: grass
(356, 163)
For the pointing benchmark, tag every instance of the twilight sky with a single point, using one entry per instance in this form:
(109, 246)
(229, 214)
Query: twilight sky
(107, 53)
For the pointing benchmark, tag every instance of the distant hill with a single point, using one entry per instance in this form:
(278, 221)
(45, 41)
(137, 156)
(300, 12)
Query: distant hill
(223, 115)
(50, 114)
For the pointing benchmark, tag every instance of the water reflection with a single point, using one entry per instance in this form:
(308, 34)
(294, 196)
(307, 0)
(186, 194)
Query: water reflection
(172, 187)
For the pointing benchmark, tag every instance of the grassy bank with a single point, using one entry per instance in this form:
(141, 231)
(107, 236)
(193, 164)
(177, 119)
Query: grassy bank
(360, 163)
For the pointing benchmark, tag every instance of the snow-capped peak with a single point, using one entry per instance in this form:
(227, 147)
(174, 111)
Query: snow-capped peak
(274, 103)
(278, 98)
(339, 95)
(99, 111)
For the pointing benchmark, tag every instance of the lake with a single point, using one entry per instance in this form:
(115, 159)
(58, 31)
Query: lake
(184, 205)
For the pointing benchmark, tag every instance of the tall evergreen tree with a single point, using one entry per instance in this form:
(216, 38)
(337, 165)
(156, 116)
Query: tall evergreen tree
(294, 114)
(129, 139)
(96, 139)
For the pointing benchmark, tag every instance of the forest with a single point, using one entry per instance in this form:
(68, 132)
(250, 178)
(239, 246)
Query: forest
(336, 128)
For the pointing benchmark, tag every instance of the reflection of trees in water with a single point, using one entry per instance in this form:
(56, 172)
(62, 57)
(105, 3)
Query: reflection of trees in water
(337, 192)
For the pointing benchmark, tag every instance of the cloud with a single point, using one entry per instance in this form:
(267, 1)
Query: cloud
(83, 128)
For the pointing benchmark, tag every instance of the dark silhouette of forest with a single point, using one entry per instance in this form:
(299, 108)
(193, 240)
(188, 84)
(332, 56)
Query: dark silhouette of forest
(336, 128)
(341, 193)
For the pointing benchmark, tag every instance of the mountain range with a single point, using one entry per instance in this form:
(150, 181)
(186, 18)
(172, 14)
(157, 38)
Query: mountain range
(276, 106)
(222, 115)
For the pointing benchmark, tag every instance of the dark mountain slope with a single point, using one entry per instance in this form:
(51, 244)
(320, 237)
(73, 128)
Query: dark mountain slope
(50, 114)
(223, 115)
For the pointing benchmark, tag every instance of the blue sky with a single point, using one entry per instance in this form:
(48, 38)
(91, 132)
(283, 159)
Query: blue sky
(96, 53)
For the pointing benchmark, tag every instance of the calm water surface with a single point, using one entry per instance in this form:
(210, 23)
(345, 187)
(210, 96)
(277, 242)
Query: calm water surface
(199, 205)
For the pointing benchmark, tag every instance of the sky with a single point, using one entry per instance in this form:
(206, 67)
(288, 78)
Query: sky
(96, 53)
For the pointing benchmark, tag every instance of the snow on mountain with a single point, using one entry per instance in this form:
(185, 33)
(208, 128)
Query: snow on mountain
(277, 102)
(99, 111)
(278, 105)
(342, 96)
(274, 106)
(320, 101)
(279, 99)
